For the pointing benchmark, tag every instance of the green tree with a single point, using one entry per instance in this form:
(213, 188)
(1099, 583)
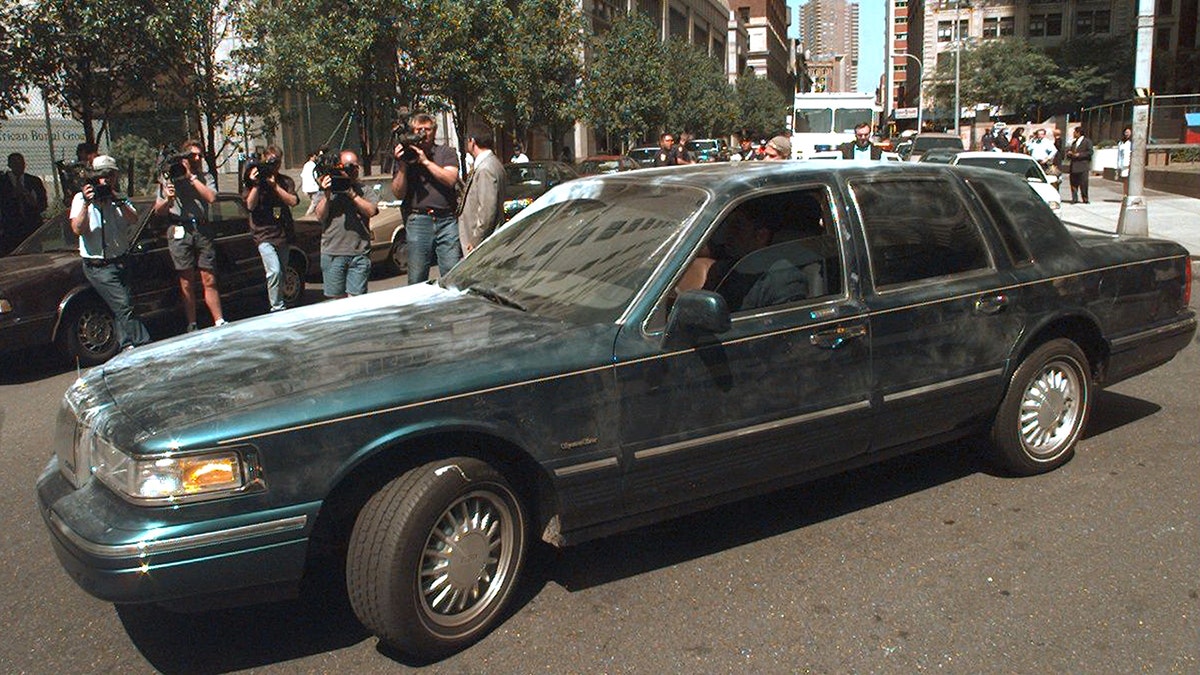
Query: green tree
(624, 90)
(92, 57)
(343, 51)
(762, 107)
(701, 99)
(541, 69)
(14, 53)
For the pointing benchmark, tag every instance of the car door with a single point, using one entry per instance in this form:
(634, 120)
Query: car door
(153, 281)
(943, 314)
(239, 266)
(785, 390)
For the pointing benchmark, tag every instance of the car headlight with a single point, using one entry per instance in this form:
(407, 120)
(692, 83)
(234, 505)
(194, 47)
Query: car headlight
(175, 478)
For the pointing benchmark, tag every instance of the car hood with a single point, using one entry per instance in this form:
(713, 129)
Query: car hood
(22, 270)
(345, 357)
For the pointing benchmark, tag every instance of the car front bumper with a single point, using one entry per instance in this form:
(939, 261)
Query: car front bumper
(124, 553)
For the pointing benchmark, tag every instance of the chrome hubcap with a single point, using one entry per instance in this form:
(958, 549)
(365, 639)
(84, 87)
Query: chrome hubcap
(467, 558)
(95, 330)
(1050, 410)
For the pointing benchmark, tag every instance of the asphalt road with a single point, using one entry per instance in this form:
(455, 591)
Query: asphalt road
(931, 562)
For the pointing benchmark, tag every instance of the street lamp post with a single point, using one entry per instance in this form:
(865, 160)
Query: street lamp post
(957, 57)
(920, 78)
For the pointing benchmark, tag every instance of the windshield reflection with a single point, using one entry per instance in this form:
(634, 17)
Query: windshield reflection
(582, 251)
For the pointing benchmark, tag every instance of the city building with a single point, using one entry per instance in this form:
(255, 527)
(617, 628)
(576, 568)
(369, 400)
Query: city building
(828, 31)
(922, 33)
(768, 49)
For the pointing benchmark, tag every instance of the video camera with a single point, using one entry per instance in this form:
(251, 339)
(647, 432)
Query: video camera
(172, 166)
(330, 164)
(266, 169)
(101, 192)
(402, 136)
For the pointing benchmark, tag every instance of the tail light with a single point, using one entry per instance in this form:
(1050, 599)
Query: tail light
(1187, 282)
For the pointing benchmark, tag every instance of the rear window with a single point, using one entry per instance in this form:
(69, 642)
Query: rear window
(924, 143)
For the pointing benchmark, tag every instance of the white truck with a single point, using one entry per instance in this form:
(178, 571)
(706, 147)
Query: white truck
(821, 122)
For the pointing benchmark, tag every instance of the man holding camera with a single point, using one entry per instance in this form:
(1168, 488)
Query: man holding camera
(269, 197)
(345, 211)
(426, 175)
(103, 218)
(184, 196)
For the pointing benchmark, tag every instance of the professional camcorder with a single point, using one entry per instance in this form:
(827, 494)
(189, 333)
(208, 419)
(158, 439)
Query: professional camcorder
(266, 169)
(101, 192)
(172, 166)
(330, 164)
(402, 136)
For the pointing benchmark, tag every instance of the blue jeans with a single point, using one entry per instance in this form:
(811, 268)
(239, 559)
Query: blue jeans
(345, 274)
(112, 285)
(273, 258)
(428, 236)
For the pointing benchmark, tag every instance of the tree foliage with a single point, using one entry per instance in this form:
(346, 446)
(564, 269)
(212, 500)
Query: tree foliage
(624, 89)
(93, 57)
(14, 53)
(701, 99)
(539, 75)
(762, 107)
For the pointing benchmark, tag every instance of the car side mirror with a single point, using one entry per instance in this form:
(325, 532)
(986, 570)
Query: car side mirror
(696, 317)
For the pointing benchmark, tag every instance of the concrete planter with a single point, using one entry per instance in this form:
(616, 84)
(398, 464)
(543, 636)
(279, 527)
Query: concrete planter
(1104, 158)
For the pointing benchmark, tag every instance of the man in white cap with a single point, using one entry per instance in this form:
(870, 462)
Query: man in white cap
(103, 219)
(779, 147)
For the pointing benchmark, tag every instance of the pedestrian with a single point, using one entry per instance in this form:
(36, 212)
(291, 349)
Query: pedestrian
(987, 142)
(184, 194)
(861, 147)
(22, 201)
(427, 177)
(270, 196)
(345, 210)
(685, 156)
(519, 156)
(778, 148)
(1017, 142)
(1124, 154)
(487, 187)
(566, 155)
(1079, 154)
(745, 150)
(1001, 139)
(668, 151)
(103, 219)
(308, 178)
(1042, 150)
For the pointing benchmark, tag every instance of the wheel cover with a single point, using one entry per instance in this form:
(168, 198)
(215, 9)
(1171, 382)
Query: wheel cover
(1052, 409)
(291, 284)
(95, 330)
(468, 558)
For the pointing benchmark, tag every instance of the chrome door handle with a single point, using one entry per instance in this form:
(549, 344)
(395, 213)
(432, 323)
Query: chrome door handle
(992, 304)
(836, 337)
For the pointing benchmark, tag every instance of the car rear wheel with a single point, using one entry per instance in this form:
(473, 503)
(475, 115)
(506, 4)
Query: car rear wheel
(398, 257)
(293, 281)
(88, 332)
(1045, 409)
(435, 555)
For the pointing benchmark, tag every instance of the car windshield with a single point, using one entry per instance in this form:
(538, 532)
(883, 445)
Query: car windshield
(698, 146)
(382, 186)
(594, 166)
(582, 251)
(525, 173)
(1025, 168)
(54, 235)
(923, 143)
(813, 120)
(845, 119)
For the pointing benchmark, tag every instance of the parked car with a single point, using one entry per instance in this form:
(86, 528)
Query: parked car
(599, 164)
(644, 156)
(389, 245)
(939, 155)
(529, 180)
(1019, 164)
(45, 299)
(709, 149)
(631, 348)
(918, 145)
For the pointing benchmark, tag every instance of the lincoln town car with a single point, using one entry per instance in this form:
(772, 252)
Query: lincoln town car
(629, 348)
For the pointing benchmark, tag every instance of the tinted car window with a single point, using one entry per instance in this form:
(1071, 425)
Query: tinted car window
(1026, 168)
(918, 229)
(228, 216)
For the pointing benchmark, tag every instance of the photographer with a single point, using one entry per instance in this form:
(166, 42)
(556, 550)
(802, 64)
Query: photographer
(185, 196)
(426, 175)
(345, 212)
(269, 197)
(103, 218)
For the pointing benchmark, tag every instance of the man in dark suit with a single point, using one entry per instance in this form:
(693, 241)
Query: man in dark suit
(487, 186)
(1079, 155)
(861, 147)
(22, 199)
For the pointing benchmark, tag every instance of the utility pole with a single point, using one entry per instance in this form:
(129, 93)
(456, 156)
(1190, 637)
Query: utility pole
(1134, 219)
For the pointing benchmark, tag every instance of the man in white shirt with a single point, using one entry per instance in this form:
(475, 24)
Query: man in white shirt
(1042, 149)
(103, 218)
(308, 179)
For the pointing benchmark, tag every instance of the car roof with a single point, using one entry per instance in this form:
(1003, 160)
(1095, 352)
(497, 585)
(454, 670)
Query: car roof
(975, 154)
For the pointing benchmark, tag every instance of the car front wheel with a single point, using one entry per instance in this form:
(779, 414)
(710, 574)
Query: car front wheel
(398, 257)
(1044, 410)
(293, 282)
(435, 555)
(88, 332)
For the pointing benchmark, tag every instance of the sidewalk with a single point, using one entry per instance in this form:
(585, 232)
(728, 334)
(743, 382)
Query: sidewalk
(1170, 216)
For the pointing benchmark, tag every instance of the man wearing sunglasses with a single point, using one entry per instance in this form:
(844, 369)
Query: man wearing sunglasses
(184, 201)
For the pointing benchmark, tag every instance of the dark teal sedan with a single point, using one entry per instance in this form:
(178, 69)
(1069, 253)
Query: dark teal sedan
(629, 348)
